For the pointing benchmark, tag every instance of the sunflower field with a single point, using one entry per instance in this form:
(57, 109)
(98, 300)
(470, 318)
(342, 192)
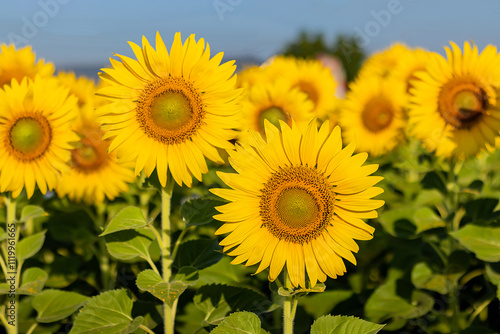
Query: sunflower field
(181, 194)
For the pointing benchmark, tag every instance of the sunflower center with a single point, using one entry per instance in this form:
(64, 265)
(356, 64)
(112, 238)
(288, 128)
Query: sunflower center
(92, 153)
(378, 114)
(310, 91)
(462, 102)
(170, 110)
(296, 207)
(29, 137)
(297, 204)
(273, 115)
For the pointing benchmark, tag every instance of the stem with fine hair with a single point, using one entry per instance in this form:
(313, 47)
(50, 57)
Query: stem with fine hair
(289, 307)
(166, 258)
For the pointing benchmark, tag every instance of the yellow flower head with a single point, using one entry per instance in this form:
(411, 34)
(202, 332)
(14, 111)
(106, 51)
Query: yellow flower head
(297, 199)
(275, 101)
(414, 61)
(251, 76)
(170, 110)
(83, 88)
(455, 107)
(385, 62)
(94, 173)
(17, 64)
(35, 128)
(311, 77)
(373, 115)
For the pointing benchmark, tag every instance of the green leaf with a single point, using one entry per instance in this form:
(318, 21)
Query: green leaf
(216, 301)
(432, 180)
(198, 253)
(188, 275)
(423, 277)
(493, 273)
(200, 211)
(129, 218)
(33, 281)
(55, 305)
(240, 323)
(29, 246)
(319, 304)
(484, 242)
(386, 302)
(407, 221)
(224, 272)
(426, 219)
(398, 222)
(168, 292)
(108, 313)
(329, 324)
(31, 212)
(130, 245)
(481, 209)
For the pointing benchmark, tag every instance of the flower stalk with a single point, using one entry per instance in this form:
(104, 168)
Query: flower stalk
(166, 258)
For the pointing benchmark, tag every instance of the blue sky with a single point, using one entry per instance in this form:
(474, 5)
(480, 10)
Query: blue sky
(87, 32)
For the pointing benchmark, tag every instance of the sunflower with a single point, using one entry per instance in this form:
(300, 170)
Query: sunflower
(82, 87)
(311, 77)
(35, 127)
(414, 61)
(385, 62)
(297, 199)
(373, 113)
(17, 64)
(454, 108)
(252, 75)
(275, 101)
(94, 173)
(170, 111)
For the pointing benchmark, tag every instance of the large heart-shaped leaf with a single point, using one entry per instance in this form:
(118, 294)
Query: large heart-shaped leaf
(33, 281)
(108, 313)
(240, 323)
(129, 218)
(55, 305)
(130, 245)
(329, 324)
(484, 242)
(168, 292)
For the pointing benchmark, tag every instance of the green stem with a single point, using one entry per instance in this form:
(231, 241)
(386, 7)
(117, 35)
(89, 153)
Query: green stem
(153, 266)
(32, 328)
(157, 235)
(103, 255)
(453, 223)
(4, 267)
(289, 308)
(478, 310)
(147, 330)
(12, 328)
(166, 196)
(178, 242)
(2, 317)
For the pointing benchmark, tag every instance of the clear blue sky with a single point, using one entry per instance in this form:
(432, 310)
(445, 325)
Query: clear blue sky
(69, 32)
